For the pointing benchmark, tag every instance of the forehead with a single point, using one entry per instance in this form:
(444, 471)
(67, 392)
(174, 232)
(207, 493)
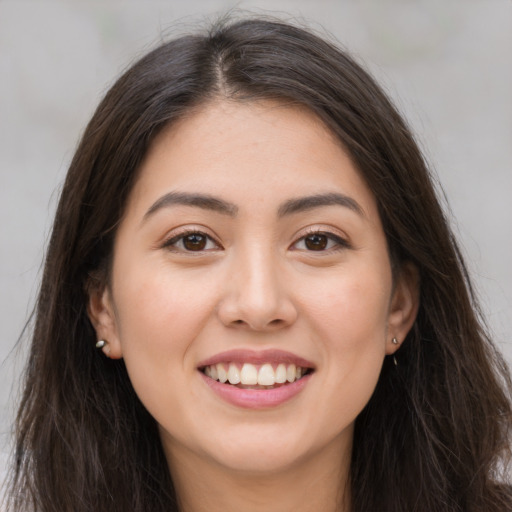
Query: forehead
(245, 152)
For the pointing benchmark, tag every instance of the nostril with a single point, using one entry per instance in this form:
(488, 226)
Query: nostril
(276, 323)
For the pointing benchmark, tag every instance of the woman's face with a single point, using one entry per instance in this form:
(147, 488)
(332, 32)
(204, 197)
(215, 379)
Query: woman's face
(252, 249)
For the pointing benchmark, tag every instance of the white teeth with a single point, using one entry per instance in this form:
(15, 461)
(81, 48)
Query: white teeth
(249, 375)
(290, 373)
(233, 374)
(281, 374)
(266, 375)
(222, 374)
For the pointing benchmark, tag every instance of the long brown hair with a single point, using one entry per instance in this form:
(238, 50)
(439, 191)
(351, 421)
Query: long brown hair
(435, 435)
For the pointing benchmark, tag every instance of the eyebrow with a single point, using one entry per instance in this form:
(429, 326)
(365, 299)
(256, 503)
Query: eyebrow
(303, 204)
(292, 206)
(204, 201)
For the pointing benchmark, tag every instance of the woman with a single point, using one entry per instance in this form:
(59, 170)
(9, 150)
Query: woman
(252, 301)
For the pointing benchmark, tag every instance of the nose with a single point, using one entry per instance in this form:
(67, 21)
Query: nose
(256, 296)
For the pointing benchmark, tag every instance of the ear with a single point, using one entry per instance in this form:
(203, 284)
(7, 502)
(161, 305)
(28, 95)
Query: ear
(404, 306)
(101, 311)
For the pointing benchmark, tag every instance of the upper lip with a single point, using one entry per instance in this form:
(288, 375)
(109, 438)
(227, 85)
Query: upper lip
(256, 357)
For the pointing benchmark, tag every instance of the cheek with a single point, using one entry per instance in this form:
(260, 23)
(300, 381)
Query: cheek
(352, 309)
(159, 316)
(156, 306)
(350, 322)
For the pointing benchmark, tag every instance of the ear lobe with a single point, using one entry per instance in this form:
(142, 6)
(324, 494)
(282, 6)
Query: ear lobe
(404, 306)
(101, 311)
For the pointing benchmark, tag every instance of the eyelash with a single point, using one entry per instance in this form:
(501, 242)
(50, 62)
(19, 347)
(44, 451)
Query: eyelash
(339, 242)
(171, 242)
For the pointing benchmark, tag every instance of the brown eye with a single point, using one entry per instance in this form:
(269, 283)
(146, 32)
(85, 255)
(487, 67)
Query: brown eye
(320, 241)
(194, 242)
(316, 242)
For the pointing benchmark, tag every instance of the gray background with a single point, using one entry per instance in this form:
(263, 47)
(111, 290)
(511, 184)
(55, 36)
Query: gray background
(447, 64)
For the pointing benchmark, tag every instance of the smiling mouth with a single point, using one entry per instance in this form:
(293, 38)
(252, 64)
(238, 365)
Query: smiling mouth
(255, 376)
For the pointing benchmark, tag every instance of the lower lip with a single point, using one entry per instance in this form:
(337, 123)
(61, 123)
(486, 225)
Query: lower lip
(256, 398)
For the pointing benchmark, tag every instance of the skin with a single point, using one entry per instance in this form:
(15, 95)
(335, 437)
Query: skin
(255, 285)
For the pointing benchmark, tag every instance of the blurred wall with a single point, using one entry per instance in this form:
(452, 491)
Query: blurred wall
(446, 63)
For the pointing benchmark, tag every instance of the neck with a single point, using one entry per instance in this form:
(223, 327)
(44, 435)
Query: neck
(316, 483)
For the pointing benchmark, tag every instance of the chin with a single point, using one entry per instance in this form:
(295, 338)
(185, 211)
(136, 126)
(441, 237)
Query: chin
(265, 450)
(258, 460)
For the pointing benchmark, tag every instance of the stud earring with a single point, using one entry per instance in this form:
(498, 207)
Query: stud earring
(104, 346)
(395, 342)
